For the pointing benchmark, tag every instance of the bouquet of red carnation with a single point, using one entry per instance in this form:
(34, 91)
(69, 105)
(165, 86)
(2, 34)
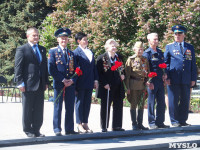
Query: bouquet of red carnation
(151, 75)
(78, 72)
(119, 68)
(163, 66)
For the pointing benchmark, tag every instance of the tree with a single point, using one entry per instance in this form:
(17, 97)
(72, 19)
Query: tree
(127, 21)
(16, 17)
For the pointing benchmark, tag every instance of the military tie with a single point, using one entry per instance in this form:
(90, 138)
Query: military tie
(36, 53)
(65, 54)
(181, 47)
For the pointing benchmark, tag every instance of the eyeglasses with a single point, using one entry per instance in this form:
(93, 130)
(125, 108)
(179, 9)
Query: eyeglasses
(178, 33)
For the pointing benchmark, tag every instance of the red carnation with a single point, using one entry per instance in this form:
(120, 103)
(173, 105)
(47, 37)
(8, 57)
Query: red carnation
(151, 75)
(78, 71)
(162, 66)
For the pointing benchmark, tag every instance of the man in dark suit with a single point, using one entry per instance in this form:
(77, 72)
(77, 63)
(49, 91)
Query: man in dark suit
(61, 66)
(182, 75)
(31, 76)
(112, 81)
(86, 82)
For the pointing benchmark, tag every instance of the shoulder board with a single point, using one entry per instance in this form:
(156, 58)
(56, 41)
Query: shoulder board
(132, 56)
(170, 43)
(53, 48)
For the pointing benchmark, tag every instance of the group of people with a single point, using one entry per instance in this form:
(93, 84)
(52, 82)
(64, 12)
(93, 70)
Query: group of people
(109, 77)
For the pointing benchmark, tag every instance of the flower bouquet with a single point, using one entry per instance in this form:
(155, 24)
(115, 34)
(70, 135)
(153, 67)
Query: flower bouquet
(119, 68)
(78, 72)
(151, 75)
(163, 66)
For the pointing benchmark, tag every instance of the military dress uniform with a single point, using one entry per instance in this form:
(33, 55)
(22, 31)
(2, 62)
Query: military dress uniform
(61, 65)
(181, 70)
(136, 71)
(158, 93)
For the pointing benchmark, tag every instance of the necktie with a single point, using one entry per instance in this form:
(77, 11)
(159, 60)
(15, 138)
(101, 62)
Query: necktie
(65, 54)
(36, 53)
(181, 47)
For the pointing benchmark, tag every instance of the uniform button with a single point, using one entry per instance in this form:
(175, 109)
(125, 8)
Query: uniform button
(67, 74)
(67, 69)
(183, 69)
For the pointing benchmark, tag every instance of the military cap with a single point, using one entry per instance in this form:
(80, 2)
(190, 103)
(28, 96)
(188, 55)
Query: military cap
(179, 28)
(138, 44)
(63, 32)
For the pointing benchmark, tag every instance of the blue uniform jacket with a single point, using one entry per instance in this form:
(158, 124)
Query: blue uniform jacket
(181, 69)
(59, 68)
(86, 81)
(155, 58)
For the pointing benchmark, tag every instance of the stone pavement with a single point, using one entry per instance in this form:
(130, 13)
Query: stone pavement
(11, 133)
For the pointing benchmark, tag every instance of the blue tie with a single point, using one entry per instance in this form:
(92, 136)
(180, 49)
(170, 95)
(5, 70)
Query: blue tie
(36, 53)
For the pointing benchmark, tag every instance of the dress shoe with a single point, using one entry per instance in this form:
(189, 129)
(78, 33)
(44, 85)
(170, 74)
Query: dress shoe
(153, 126)
(184, 124)
(176, 125)
(81, 129)
(163, 126)
(135, 127)
(141, 127)
(104, 130)
(118, 129)
(71, 132)
(58, 134)
(29, 134)
(39, 134)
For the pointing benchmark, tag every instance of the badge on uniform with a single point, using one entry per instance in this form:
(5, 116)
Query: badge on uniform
(188, 54)
(176, 52)
(154, 58)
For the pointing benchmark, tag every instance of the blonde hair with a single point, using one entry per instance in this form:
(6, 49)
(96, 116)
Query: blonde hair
(108, 42)
(150, 35)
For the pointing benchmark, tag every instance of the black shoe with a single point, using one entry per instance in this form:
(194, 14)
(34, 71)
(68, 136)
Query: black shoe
(118, 129)
(58, 134)
(29, 134)
(104, 130)
(135, 127)
(71, 132)
(39, 134)
(141, 127)
(163, 126)
(185, 124)
(176, 125)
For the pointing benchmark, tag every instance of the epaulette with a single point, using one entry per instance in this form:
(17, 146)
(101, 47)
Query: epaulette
(132, 56)
(170, 43)
(53, 47)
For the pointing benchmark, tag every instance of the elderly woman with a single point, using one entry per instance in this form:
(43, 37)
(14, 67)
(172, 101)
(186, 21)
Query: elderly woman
(137, 68)
(110, 89)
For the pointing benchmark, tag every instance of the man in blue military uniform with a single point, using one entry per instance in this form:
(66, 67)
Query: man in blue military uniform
(61, 66)
(181, 71)
(155, 57)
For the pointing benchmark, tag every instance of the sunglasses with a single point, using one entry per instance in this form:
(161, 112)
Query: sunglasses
(178, 33)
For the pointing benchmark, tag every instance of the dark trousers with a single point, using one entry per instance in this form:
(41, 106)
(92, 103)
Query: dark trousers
(157, 94)
(33, 106)
(117, 108)
(69, 100)
(83, 103)
(179, 97)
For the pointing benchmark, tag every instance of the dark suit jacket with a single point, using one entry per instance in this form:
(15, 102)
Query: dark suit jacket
(86, 81)
(106, 75)
(28, 69)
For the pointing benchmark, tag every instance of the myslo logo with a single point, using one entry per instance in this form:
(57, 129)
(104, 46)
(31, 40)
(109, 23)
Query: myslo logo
(182, 145)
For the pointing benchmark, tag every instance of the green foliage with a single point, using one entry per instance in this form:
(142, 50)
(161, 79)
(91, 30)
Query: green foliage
(16, 17)
(127, 21)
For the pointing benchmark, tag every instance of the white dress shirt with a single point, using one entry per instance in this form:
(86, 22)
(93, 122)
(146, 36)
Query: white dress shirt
(87, 52)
